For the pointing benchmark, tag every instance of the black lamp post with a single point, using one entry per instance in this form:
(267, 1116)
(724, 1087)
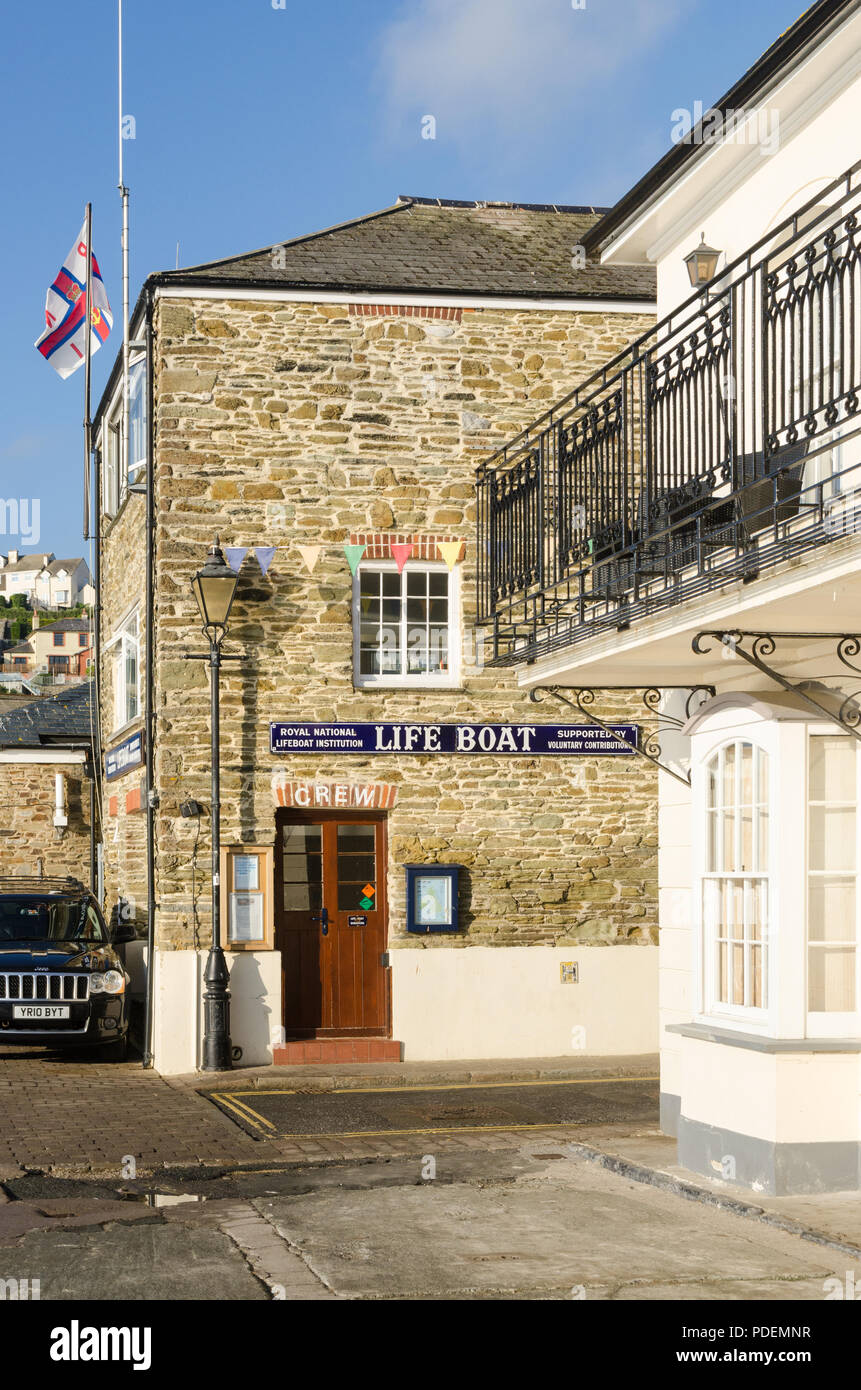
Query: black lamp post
(702, 264)
(214, 588)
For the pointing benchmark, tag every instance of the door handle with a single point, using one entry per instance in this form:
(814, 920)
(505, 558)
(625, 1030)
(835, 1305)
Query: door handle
(323, 919)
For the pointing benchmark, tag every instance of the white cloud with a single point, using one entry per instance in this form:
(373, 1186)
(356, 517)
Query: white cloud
(510, 67)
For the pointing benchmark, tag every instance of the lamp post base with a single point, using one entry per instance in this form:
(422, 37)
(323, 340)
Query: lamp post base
(217, 1047)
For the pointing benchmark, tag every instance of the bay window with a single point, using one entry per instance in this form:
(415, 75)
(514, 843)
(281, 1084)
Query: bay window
(777, 853)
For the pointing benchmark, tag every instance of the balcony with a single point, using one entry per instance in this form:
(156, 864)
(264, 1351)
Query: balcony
(724, 442)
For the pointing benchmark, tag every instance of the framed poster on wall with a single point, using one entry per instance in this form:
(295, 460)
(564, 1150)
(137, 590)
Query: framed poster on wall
(247, 915)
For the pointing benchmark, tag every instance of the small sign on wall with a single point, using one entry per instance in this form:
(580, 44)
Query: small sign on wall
(569, 972)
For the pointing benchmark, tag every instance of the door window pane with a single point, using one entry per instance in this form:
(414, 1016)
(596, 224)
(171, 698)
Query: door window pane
(303, 868)
(357, 868)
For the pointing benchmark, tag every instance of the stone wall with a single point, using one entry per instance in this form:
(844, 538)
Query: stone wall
(284, 423)
(27, 821)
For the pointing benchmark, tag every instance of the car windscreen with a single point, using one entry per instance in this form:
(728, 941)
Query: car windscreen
(25, 919)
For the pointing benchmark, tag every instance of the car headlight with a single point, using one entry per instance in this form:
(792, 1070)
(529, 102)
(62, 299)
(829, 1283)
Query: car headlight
(111, 982)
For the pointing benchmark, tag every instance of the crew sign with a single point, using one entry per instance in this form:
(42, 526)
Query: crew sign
(514, 740)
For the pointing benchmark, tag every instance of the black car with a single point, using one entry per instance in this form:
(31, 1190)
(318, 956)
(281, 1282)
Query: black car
(62, 983)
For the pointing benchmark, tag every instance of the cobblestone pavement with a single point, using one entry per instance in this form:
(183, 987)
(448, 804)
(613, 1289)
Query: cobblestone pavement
(64, 1112)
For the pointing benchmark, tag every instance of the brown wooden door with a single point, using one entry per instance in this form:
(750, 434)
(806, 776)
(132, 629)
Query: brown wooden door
(330, 922)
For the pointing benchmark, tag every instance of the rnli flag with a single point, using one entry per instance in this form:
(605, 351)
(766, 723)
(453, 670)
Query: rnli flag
(63, 342)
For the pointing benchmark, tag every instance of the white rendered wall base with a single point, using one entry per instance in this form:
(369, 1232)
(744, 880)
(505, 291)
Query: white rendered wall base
(484, 1001)
(255, 1008)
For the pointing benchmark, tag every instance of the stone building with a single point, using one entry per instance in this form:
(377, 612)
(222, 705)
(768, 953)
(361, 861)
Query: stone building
(325, 403)
(46, 782)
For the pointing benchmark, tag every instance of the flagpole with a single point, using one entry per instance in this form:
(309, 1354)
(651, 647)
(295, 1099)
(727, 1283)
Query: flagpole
(124, 194)
(88, 353)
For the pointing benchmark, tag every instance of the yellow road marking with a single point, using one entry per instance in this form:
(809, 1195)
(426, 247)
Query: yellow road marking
(231, 1098)
(246, 1113)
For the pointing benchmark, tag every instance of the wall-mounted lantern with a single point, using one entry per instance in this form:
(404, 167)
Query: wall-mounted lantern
(432, 898)
(702, 264)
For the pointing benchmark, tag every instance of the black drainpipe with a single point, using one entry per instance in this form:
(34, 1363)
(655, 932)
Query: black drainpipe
(149, 702)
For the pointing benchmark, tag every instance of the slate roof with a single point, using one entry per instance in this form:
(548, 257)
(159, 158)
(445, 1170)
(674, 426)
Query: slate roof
(66, 625)
(437, 246)
(27, 562)
(56, 719)
(68, 565)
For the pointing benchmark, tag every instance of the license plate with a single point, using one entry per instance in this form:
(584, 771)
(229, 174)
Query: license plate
(40, 1011)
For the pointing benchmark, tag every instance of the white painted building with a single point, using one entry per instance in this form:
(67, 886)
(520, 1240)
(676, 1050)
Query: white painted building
(46, 581)
(700, 540)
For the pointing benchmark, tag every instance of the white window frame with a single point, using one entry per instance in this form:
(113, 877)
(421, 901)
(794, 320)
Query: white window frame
(119, 645)
(745, 1017)
(111, 450)
(832, 1024)
(137, 401)
(425, 680)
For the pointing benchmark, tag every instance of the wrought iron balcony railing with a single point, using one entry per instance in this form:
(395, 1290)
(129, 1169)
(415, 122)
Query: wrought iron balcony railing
(725, 440)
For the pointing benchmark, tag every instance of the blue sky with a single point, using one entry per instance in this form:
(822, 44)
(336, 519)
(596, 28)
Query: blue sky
(256, 123)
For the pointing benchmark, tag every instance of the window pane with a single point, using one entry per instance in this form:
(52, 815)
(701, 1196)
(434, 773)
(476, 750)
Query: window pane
(438, 583)
(747, 774)
(831, 978)
(417, 583)
(711, 842)
(303, 837)
(832, 768)
(831, 909)
(832, 837)
(301, 868)
(712, 783)
(729, 775)
(303, 897)
(391, 585)
(729, 842)
(757, 978)
(357, 839)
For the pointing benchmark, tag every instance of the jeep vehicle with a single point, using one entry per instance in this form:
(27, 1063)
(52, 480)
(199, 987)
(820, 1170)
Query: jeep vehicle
(62, 983)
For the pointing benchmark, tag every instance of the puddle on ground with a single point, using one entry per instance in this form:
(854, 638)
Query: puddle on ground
(160, 1199)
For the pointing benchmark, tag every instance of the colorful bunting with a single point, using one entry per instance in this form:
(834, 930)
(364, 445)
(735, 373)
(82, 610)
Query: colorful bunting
(310, 554)
(235, 558)
(354, 555)
(265, 555)
(450, 551)
(401, 554)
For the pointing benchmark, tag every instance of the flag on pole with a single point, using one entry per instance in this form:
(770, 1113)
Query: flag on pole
(63, 342)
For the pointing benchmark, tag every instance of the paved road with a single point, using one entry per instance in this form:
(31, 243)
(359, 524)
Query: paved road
(536, 1223)
(363, 1113)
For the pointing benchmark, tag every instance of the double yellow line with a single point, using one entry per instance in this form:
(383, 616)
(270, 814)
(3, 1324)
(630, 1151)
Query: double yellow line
(231, 1101)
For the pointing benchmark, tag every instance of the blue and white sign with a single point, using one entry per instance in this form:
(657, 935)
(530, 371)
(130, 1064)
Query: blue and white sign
(515, 740)
(127, 755)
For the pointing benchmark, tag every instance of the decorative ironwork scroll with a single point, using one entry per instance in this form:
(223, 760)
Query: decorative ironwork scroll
(650, 747)
(756, 647)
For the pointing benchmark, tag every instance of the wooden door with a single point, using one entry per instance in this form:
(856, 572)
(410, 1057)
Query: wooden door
(331, 924)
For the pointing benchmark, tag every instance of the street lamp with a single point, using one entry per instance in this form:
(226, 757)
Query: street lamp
(214, 588)
(702, 264)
